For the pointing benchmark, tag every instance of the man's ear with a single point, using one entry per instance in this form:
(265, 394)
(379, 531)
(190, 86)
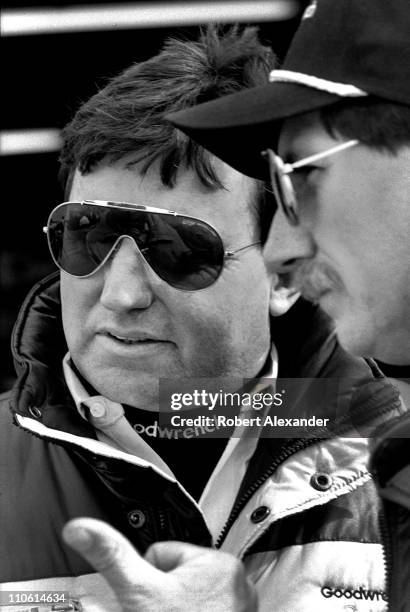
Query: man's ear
(281, 298)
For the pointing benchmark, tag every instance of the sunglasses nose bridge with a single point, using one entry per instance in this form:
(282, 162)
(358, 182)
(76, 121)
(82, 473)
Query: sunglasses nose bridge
(135, 263)
(119, 241)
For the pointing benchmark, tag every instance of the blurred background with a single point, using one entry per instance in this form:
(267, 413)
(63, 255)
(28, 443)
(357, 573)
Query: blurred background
(56, 55)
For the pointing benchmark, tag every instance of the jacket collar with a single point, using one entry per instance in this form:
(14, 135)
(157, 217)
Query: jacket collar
(38, 346)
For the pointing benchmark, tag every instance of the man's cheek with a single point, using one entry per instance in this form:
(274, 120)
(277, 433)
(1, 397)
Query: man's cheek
(205, 346)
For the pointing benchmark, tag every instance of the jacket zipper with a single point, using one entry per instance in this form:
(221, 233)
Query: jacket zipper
(300, 444)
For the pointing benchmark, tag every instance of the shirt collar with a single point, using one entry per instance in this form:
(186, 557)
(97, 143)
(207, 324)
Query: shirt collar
(75, 386)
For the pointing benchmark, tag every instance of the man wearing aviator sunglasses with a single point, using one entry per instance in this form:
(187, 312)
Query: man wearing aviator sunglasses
(162, 275)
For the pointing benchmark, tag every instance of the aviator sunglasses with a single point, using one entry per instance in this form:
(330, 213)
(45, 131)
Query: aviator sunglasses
(185, 252)
(282, 187)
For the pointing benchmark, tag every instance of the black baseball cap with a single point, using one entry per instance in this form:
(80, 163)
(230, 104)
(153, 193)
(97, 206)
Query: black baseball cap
(343, 49)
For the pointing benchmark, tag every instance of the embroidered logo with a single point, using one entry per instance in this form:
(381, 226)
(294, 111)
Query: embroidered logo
(358, 593)
(310, 10)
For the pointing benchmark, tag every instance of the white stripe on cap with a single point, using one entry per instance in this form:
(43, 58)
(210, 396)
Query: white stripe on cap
(299, 78)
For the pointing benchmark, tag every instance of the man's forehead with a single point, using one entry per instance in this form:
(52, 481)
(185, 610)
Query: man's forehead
(122, 182)
(151, 173)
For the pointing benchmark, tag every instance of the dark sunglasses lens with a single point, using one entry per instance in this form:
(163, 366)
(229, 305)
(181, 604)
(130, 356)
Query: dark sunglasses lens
(79, 238)
(186, 253)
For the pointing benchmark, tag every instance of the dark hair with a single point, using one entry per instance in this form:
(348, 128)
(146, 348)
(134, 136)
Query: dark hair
(127, 115)
(375, 122)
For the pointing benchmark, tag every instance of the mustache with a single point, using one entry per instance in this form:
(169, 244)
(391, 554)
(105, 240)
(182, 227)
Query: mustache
(314, 279)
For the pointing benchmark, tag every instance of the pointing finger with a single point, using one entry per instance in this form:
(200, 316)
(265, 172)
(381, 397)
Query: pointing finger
(110, 553)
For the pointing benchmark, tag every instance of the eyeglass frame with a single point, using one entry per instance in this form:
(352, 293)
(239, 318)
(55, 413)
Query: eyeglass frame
(279, 170)
(143, 208)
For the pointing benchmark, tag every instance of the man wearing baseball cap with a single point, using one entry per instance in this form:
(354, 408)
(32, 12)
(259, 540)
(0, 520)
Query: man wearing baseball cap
(331, 131)
(338, 114)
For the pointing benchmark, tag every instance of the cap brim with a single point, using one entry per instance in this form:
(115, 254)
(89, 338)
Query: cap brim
(237, 127)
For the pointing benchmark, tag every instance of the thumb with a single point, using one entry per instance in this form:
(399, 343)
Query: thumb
(167, 556)
(111, 554)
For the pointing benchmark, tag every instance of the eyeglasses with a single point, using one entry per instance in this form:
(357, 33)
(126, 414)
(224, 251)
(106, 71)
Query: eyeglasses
(281, 183)
(185, 252)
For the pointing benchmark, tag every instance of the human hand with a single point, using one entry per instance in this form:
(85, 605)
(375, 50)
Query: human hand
(173, 576)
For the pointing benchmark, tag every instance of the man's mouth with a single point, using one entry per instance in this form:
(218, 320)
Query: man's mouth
(131, 338)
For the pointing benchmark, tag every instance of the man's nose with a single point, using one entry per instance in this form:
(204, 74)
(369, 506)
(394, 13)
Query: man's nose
(288, 246)
(127, 283)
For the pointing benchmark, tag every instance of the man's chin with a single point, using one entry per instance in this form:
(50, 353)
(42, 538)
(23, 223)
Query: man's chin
(354, 332)
(351, 323)
(331, 303)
